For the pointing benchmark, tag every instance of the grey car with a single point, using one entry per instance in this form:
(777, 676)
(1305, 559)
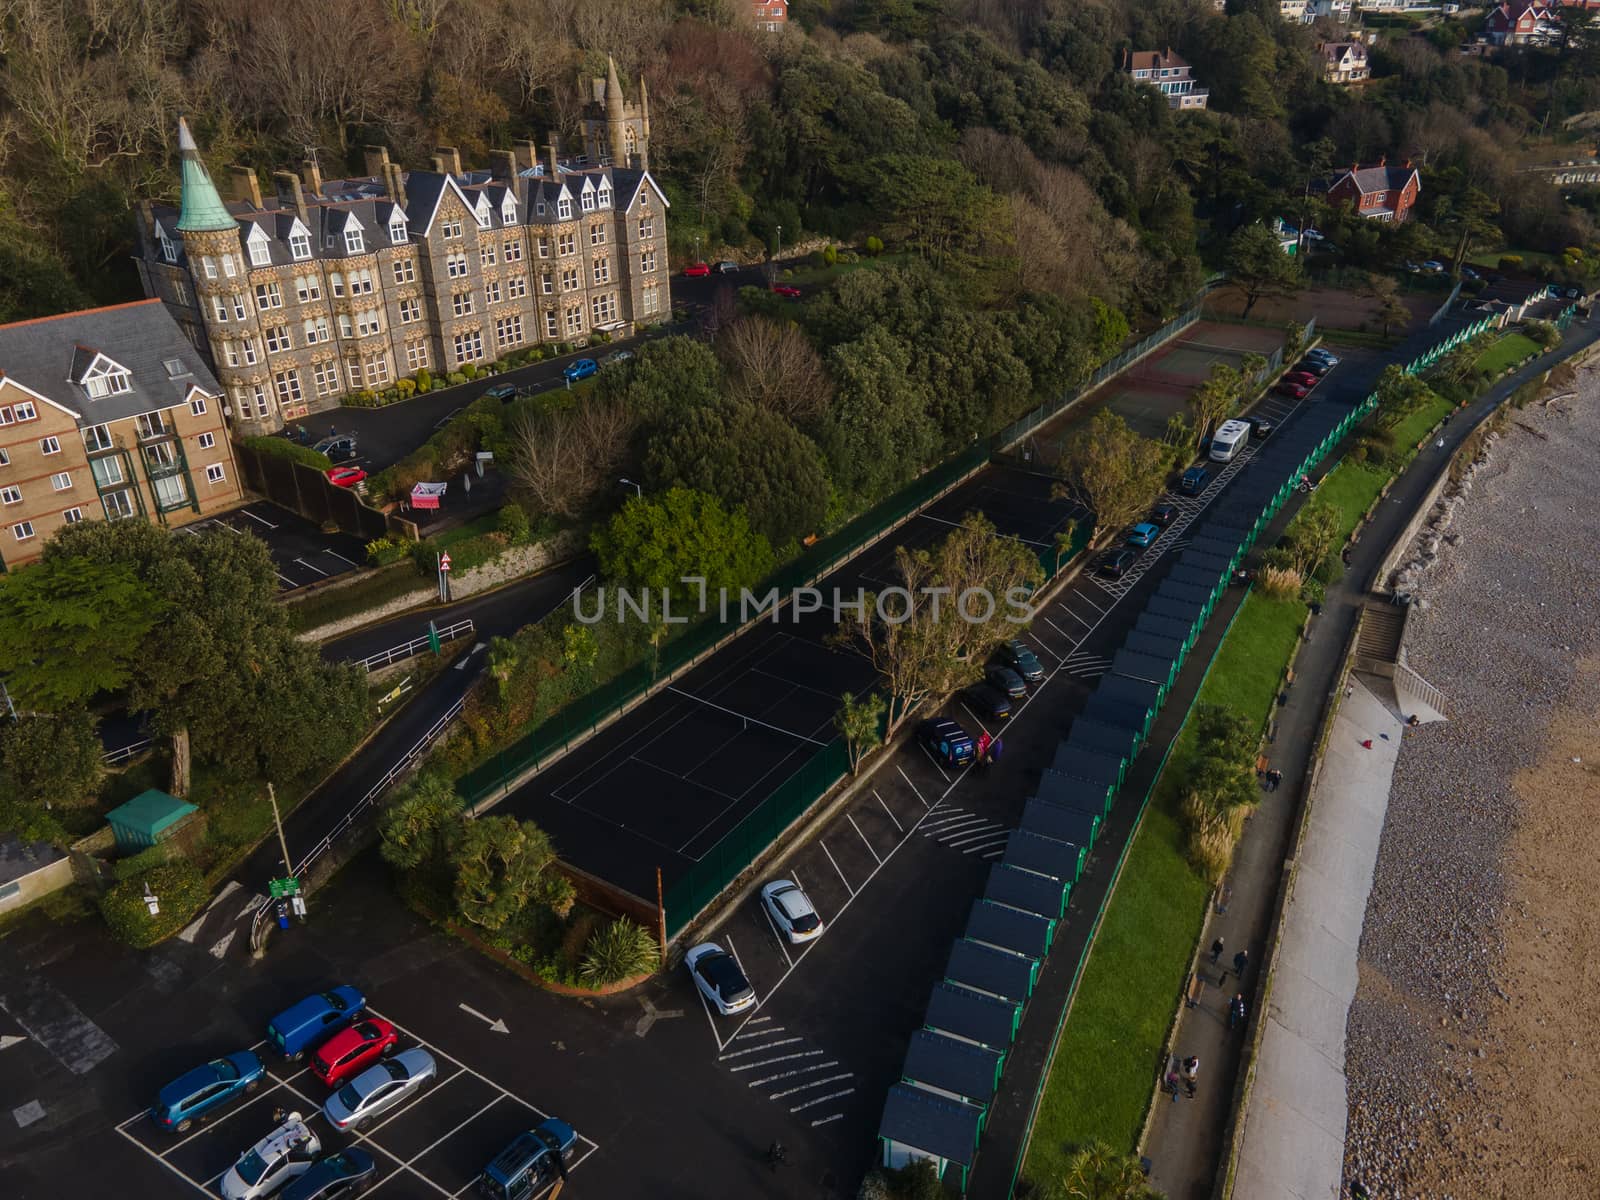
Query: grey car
(379, 1088)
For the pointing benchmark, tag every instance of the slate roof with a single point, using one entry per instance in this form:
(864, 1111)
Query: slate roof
(934, 1124)
(49, 354)
(19, 859)
(1380, 178)
(951, 1064)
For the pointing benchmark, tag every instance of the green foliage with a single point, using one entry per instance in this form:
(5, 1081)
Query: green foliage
(860, 723)
(618, 950)
(665, 376)
(424, 380)
(1399, 395)
(46, 763)
(280, 447)
(1257, 265)
(419, 828)
(656, 541)
(1115, 469)
(180, 891)
(932, 206)
(513, 524)
(1097, 1172)
(500, 867)
(469, 371)
(383, 551)
(874, 245)
(1511, 262)
(137, 864)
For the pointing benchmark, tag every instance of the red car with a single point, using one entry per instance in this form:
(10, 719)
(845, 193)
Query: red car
(1295, 391)
(787, 290)
(350, 1050)
(345, 476)
(697, 270)
(1303, 377)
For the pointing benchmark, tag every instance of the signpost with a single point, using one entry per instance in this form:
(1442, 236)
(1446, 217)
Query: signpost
(444, 578)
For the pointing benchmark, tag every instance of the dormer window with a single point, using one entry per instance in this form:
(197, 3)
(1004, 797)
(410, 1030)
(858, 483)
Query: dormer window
(587, 200)
(539, 208)
(169, 249)
(300, 245)
(603, 198)
(105, 378)
(508, 212)
(354, 243)
(397, 231)
(564, 208)
(260, 254)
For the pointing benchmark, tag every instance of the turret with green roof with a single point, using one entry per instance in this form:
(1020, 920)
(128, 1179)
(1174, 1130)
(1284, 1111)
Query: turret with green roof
(203, 209)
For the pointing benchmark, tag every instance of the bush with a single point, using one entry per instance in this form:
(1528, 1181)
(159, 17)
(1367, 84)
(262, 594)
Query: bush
(424, 380)
(874, 245)
(617, 951)
(181, 891)
(1511, 262)
(513, 522)
(1314, 592)
(464, 555)
(293, 451)
(137, 864)
(1279, 583)
(405, 388)
(830, 255)
(455, 378)
(469, 371)
(385, 550)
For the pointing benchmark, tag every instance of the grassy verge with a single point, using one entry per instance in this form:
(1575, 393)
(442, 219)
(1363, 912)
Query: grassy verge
(322, 608)
(1104, 1065)
(1507, 352)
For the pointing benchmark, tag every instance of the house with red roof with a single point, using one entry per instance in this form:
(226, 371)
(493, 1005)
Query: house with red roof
(1380, 192)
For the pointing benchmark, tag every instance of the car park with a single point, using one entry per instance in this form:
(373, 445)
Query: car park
(791, 911)
(1115, 564)
(345, 476)
(501, 391)
(615, 357)
(720, 978)
(532, 1159)
(946, 741)
(1164, 514)
(1193, 481)
(1006, 680)
(581, 369)
(1295, 391)
(1143, 535)
(301, 1026)
(379, 1088)
(334, 1176)
(987, 702)
(697, 270)
(337, 446)
(195, 1093)
(787, 290)
(350, 1050)
(284, 1154)
(727, 267)
(1016, 655)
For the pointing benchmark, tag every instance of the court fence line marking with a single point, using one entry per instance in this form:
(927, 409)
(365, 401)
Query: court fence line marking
(748, 721)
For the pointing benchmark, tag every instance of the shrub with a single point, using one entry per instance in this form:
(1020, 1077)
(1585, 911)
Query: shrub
(513, 522)
(1314, 592)
(405, 388)
(617, 951)
(137, 864)
(385, 550)
(293, 451)
(424, 380)
(1510, 262)
(1543, 332)
(454, 379)
(181, 891)
(469, 371)
(874, 245)
(1279, 583)
(830, 255)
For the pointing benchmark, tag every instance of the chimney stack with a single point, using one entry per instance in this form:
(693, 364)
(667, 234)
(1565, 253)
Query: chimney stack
(312, 175)
(392, 181)
(290, 192)
(246, 186)
(377, 160)
(553, 161)
(502, 166)
(450, 156)
(527, 152)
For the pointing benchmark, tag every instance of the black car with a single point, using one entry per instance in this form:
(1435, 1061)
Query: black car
(501, 391)
(337, 446)
(1115, 564)
(1163, 514)
(1016, 655)
(1004, 679)
(946, 741)
(1314, 366)
(334, 1176)
(1260, 427)
(987, 702)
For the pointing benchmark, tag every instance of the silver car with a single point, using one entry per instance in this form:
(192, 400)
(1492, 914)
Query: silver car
(284, 1154)
(379, 1088)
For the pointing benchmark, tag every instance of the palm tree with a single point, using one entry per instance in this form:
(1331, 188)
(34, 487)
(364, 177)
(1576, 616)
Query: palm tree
(1097, 1172)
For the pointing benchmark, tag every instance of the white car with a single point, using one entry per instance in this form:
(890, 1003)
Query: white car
(718, 976)
(791, 911)
(284, 1154)
(379, 1088)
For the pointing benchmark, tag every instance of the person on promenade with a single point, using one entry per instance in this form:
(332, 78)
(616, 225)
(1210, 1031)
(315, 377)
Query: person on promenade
(1241, 960)
(1216, 951)
(983, 749)
(1191, 1074)
(1236, 1010)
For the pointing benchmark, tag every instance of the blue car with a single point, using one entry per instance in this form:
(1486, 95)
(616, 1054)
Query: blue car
(297, 1029)
(1194, 481)
(532, 1159)
(195, 1093)
(1143, 535)
(581, 369)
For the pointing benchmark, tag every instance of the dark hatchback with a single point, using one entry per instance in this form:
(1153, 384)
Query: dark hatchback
(946, 741)
(987, 702)
(334, 1176)
(1016, 655)
(1115, 564)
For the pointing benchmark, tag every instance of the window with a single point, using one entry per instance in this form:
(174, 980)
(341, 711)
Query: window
(508, 331)
(336, 283)
(405, 270)
(491, 292)
(248, 346)
(455, 267)
(603, 197)
(151, 425)
(117, 505)
(552, 329)
(107, 472)
(486, 254)
(397, 232)
(574, 319)
(513, 250)
(219, 308)
(267, 296)
(483, 217)
(649, 301)
(207, 441)
(197, 407)
(170, 492)
(239, 311)
(49, 445)
(604, 308)
(61, 482)
(567, 244)
(647, 261)
(317, 331)
(10, 495)
(539, 207)
(517, 287)
(209, 266)
(461, 303)
(450, 230)
(278, 339)
(260, 254)
(307, 288)
(587, 201)
(416, 355)
(647, 227)
(5, 457)
(378, 371)
(564, 208)
(169, 251)
(72, 516)
(110, 381)
(600, 270)
(367, 323)
(469, 346)
(347, 327)
(263, 402)
(97, 437)
(288, 385)
(410, 311)
(354, 241)
(180, 291)
(597, 234)
(22, 530)
(508, 211)
(25, 411)
(547, 283)
(326, 377)
(230, 265)
(361, 283)
(299, 246)
(544, 246)
(569, 279)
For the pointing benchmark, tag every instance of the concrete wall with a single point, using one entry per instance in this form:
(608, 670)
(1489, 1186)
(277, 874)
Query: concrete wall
(51, 877)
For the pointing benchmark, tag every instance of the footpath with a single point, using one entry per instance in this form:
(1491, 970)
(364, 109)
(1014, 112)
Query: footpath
(1185, 1139)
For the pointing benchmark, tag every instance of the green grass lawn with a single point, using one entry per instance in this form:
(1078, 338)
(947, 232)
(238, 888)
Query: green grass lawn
(1351, 488)
(1508, 351)
(1411, 431)
(1106, 1063)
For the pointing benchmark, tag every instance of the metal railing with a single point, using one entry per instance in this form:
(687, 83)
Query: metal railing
(415, 646)
(113, 758)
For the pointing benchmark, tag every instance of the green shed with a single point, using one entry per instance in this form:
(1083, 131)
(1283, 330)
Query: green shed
(150, 817)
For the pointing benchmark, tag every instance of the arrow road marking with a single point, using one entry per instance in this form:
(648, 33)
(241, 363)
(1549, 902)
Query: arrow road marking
(223, 943)
(467, 657)
(496, 1024)
(9, 1040)
(652, 1014)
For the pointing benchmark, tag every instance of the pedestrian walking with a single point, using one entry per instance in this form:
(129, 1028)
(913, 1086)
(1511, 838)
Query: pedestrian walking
(1191, 1074)
(1172, 1084)
(1274, 778)
(1236, 1010)
(983, 748)
(994, 751)
(1241, 960)
(1216, 951)
(776, 1154)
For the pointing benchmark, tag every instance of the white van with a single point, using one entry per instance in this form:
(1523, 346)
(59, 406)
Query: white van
(1229, 437)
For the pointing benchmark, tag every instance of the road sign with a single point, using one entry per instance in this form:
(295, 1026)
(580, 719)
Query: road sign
(433, 637)
(444, 562)
(280, 888)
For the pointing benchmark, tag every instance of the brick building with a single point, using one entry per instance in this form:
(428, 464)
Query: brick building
(1523, 23)
(770, 15)
(1380, 192)
(105, 414)
(331, 287)
(1169, 73)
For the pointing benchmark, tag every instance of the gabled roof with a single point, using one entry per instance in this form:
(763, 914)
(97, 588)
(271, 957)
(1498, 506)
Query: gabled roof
(1380, 178)
(1153, 60)
(425, 190)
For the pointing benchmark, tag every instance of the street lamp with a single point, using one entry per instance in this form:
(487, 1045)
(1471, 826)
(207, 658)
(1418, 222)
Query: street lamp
(773, 274)
(637, 490)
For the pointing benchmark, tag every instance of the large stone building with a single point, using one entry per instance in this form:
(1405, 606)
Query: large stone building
(105, 414)
(332, 287)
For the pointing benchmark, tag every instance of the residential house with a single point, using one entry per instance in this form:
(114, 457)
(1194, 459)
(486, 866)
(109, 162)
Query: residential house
(1295, 12)
(105, 414)
(1344, 63)
(1168, 72)
(1523, 23)
(1338, 10)
(1380, 192)
(770, 15)
(334, 287)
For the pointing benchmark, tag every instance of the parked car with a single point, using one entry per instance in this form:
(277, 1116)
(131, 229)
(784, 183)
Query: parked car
(727, 267)
(1006, 680)
(379, 1088)
(791, 911)
(337, 446)
(350, 1050)
(1260, 427)
(1295, 391)
(720, 978)
(1016, 655)
(501, 391)
(1304, 378)
(334, 1176)
(987, 702)
(194, 1093)
(301, 1026)
(1325, 355)
(1115, 563)
(697, 270)
(346, 476)
(1468, 273)
(1411, 268)
(1194, 481)
(532, 1159)
(946, 741)
(1164, 514)
(581, 369)
(1315, 367)
(615, 357)
(284, 1154)
(1433, 266)
(787, 290)
(1143, 535)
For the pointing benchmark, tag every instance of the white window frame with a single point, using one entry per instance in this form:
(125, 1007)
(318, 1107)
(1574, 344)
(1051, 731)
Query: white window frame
(603, 198)
(355, 242)
(72, 516)
(586, 200)
(61, 481)
(397, 232)
(207, 440)
(491, 291)
(22, 530)
(300, 246)
(564, 209)
(10, 494)
(410, 311)
(49, 445)
(260, 253)
(215, 473)
(405, 270)
(513, 250)
(416, 355)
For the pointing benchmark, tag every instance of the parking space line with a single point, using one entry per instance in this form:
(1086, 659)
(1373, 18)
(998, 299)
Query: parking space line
(287, 582)
(793, 1071)
(912, 786)
(840, 873)
(457, 1129)
(885, 808)
(340, 557)
(800, 1087)
(863, 837)
(178, 1171)
(309, 567)
(205, 1127)
(780, 1058)
(821, 1100)
(759, 1049)
(782, 948)
(935, 763)
(838, 1116)
(758, 1033)
(245, 512)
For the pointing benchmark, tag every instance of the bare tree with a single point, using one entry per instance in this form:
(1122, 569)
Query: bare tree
(776, 367)
(561, 459)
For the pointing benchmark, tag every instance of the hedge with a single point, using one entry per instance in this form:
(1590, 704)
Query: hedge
(182, 893)
(293, 451)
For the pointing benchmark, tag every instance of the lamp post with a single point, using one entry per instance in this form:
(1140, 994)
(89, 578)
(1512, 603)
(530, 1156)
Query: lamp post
(637, 490)
(773, 274)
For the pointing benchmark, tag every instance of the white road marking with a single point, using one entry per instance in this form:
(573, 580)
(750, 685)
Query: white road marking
(840, 873)
(776, 933)
(340, 557)
(761, 1032)
(911, 785)
(457, 1129)
(309, 567)
(982, 835)
(801, 1087)
(245, 512)
(885, 808)
(821, 1100)
(863, 837)
(286, 580)
(781, 1058)
(222, 944)
(761, 1049)
(793, 1071)
(839, 1116)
